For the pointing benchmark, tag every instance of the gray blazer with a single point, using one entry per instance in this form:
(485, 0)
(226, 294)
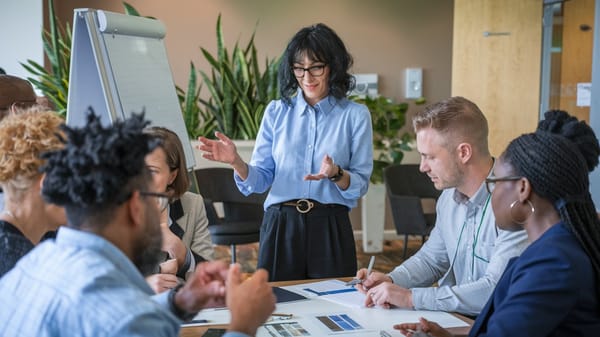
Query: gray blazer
(194, 224)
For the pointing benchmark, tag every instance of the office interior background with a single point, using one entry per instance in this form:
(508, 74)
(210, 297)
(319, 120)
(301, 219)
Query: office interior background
(514, 58)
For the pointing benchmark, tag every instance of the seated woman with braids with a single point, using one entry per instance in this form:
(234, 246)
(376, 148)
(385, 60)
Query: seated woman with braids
(541, 184)
(26, 216)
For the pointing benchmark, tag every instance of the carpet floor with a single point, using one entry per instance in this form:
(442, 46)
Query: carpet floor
(388, 259)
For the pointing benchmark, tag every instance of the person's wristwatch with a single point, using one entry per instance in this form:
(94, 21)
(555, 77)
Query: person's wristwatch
(182, 314)
(338, 175)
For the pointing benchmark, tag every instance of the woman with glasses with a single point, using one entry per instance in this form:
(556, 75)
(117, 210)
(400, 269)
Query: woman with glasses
(184, 224)
(541, 184)
(314, 152)
(26, 217)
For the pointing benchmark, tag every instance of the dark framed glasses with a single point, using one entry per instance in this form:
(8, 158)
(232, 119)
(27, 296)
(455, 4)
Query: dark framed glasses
(162, 199)
(490, 182)
(314, 71)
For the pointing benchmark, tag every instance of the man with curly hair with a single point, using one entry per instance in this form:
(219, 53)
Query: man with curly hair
(25, 217)
(87, 282)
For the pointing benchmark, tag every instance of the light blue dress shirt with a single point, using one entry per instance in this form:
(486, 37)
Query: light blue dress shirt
(81, 285)
(292, 141)
(465, 253)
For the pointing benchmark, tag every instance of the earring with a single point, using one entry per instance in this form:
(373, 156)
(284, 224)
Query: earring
(521, 222)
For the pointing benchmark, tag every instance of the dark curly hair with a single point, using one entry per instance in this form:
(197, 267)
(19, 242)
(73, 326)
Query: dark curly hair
(320, 44)
(98, 169)
(557, 159)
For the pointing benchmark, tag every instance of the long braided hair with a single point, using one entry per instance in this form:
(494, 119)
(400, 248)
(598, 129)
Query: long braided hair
(556, 159)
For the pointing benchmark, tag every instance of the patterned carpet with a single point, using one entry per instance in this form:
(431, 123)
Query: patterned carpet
(384, 261)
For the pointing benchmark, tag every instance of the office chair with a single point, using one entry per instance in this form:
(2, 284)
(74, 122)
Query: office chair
(242, 216)
(406, 187)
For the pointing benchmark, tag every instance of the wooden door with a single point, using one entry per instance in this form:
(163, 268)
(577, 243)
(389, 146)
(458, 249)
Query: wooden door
(499, 70)
(576, 58)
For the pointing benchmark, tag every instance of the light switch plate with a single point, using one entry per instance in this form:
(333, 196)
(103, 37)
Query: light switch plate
(414, 83)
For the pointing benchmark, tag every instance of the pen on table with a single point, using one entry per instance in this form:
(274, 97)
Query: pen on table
(278, 316)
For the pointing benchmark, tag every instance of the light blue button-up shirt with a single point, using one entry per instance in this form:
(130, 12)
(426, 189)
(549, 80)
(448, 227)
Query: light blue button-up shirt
(81, 285)
(466, 254)
(292, 141)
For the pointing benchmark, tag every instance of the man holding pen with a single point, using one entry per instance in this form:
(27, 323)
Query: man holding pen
(465, 254)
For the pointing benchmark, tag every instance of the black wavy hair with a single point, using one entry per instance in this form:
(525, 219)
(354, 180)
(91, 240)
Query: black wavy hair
(557, 159)
(98, 169)
(321, 44)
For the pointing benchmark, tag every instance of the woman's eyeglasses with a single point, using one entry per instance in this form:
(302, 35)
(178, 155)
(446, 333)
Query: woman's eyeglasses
(162, 199)
(314, 71)
(490, 182)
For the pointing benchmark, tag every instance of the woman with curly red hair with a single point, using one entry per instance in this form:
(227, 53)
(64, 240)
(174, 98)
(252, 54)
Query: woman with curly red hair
(26, 216)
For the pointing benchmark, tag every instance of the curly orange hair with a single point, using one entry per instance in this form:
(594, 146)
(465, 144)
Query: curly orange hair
(23, 137)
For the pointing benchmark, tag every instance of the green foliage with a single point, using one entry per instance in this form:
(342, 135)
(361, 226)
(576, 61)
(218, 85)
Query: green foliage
(53, 83)
(389, 144)
(239, 91)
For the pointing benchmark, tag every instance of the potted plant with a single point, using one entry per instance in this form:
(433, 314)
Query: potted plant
(389, 144)
(53, 83)
(238, 91)
(389, 141)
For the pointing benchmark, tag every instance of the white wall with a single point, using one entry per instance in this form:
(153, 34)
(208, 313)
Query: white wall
(21, 24)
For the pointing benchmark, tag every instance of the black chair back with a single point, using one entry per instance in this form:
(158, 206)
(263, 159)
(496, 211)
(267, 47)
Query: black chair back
(242, 215)
(406, 187)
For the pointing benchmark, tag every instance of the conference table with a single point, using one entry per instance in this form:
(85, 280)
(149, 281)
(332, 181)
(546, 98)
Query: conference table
(197, 331)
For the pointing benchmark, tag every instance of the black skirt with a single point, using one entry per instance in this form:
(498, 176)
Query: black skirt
(316, 244)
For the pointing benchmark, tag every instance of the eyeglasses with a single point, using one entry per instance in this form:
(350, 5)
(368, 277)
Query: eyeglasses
(491, 182)
(314, 71)
(162, 199)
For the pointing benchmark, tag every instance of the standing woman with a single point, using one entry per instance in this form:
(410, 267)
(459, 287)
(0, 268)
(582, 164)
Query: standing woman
(306, 232)
(183, 221)
(540, 183)
(26, 217)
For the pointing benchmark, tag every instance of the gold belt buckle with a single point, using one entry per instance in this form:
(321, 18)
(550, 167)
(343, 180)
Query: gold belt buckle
(304, 206)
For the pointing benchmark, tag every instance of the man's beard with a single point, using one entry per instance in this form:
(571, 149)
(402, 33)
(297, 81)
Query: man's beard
(147, 249)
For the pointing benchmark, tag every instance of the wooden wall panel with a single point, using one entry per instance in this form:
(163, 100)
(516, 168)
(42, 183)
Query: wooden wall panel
(576, 60)
(500, 73)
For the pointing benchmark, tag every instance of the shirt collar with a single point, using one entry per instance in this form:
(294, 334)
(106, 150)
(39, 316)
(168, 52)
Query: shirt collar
(325, 105)
(480, 197)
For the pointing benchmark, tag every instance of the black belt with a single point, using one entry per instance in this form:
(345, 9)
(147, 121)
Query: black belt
(305, 205)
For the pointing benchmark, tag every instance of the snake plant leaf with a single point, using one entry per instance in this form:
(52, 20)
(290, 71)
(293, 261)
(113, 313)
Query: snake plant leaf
(130, 10)
(238, 91)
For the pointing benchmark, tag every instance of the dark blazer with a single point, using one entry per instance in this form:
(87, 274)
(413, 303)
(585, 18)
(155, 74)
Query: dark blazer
(550, 290)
